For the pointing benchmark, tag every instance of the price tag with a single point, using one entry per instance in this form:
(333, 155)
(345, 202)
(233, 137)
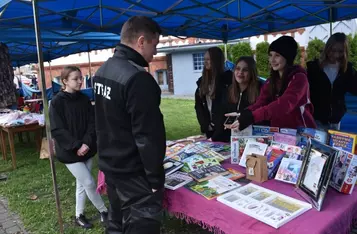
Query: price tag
(251, 171)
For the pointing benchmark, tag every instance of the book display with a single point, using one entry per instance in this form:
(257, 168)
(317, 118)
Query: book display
(306, 161)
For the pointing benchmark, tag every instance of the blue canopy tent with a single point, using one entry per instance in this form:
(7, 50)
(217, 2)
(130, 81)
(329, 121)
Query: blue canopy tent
(218, 19)
(23, 50)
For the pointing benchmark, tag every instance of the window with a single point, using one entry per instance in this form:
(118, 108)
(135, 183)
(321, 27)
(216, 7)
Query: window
(160, 77)
(198, 61)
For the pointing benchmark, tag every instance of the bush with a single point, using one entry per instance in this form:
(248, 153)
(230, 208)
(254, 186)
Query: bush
(262, 57)
(298, 56)
(314, 49)
(241, 49)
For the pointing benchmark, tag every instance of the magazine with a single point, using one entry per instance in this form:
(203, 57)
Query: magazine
(289, 170)
(284, 138)
(344, 172)
(177, 180)
(343, 141)
(214, 187)
(265, 205)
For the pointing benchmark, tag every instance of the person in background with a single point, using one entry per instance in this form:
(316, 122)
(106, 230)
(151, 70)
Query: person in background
(285, 98)
(211, 91)
(72, 127)
(242, 93)
(131, 131)
(330, 78)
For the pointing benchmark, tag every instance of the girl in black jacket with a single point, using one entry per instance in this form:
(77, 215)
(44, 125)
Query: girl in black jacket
(330, 78)
(72, 127)
(243, 92)
(211, 91)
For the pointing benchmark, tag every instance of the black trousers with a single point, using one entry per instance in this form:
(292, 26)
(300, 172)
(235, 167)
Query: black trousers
(134, 208)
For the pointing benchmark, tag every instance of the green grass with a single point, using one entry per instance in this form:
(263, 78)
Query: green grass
(33, 177)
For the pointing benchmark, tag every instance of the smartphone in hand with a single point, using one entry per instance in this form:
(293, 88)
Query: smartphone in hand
(230, 120)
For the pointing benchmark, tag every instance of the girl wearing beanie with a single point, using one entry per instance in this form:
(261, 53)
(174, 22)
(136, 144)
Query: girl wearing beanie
(285, 98)
(330, 77)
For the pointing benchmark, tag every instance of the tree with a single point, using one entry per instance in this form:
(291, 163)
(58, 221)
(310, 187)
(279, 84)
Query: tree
(241, 49)
(262, 57)
(298, 56)
(352, 41)
(314, 49)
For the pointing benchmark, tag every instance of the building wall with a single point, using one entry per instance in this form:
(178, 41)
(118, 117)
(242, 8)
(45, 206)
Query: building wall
(184, 77)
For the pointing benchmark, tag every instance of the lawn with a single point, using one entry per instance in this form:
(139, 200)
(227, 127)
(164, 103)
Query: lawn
(33, 177)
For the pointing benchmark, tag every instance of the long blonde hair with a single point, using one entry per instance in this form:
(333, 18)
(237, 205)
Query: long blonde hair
(253, 86)
(333, 40)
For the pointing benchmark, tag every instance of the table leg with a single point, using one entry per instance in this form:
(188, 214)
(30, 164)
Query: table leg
(21, 140)
(12, 149)
(28, 137)
(3, 144)
(38, 139)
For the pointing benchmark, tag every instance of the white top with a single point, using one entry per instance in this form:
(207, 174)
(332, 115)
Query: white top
(331, 71)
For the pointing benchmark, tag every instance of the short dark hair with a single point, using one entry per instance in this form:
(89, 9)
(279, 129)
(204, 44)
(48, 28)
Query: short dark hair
(137, 25)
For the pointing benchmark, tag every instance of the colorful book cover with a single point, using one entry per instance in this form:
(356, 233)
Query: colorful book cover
(274, 158)
(264, 130)
(343, 141)
(289, 170)
(213, 188)
(221, 148)
(344, 173)
(284, 138)
(198, 161)
(234, 174)
(292, 151)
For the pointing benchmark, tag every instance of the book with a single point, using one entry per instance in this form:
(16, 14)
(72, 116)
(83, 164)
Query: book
(284, 138)
(177, 180)
(274, 157)
(198, 161)
(344, 172)
(207, 173)
(238, 144)
(342, 140)
(234, 174)
(291, 151)
(289, 170)
(264, 130)
(248, 131)
(171, 165)
(252, 147)
(305, 133)
(289, 131)
(267, 206)
(213, 188)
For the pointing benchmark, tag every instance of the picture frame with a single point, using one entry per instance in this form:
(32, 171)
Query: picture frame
(316, 172)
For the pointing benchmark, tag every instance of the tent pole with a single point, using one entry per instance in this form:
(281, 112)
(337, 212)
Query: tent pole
(330, 21)
(90, 67)
(225, 51)
(45, 105)
(49, 63)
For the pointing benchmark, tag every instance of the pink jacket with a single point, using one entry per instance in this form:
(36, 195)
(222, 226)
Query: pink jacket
(292, 109)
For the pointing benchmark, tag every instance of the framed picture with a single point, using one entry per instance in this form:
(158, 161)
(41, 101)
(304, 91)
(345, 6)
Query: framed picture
(316, 172)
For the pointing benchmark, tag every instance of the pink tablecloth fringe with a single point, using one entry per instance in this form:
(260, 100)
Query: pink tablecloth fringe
(101, 187)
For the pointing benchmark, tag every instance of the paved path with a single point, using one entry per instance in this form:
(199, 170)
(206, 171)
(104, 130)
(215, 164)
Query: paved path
(10, 223)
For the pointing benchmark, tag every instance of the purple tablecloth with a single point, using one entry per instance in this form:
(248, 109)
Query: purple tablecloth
(336, 217)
